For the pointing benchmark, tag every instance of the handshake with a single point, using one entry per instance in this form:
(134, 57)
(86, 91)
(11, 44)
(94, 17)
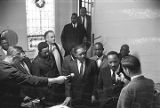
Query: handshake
(60, 79)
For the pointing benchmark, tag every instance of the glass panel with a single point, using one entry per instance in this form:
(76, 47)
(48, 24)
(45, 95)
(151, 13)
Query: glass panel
(39, 20)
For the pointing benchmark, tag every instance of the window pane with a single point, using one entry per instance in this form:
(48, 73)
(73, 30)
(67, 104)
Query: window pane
(39, 20)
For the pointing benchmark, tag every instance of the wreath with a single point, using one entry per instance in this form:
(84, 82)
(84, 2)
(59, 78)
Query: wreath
(40, 3)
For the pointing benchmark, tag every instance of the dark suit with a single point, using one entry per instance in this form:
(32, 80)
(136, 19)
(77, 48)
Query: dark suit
(80, 89)
(47, 67)
(137, 94)
(25, 90)
(103, 63)
(11, 80)
(88, 26)
(107, 91)
(71, 37)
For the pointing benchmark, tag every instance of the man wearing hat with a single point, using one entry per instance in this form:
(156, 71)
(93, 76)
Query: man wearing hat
(140, 90)
(44, 65)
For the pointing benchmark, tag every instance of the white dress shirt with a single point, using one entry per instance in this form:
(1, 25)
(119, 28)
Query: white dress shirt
(99, 60)
(79, 66)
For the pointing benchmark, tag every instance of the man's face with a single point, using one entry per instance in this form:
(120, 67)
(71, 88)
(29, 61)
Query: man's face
(5, 44)
(113, 62)
(124, 51)
(83, 12)
(44, 52)
(98, 50)
(80, 54)
(74, 19)
(50, 37)
(18, 56)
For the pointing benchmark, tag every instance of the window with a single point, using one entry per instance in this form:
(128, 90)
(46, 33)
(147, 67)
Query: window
(88, 4)
(40, 18)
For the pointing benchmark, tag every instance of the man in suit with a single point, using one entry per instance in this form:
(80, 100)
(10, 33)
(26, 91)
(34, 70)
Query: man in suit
(73, 34)
(45, 65)
(100, 57)
(111, 81)
(11, 80)
(139, 92)
(85, 20)
(23, 64)
(80, 91)
(54, 48)
(4, 47)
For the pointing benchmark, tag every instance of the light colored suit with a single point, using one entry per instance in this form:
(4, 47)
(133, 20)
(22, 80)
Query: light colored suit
(137, 94)
(2, 54)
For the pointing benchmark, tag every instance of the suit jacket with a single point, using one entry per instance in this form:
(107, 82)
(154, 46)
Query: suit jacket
(11, 80)
(80, 87)
(137, 94)
(106, 89)
(103, 63)
(25, 90)
(71, 37)
(88, 27)
(46, 67)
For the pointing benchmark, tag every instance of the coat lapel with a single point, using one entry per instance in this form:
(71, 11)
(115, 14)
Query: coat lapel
(75, 67)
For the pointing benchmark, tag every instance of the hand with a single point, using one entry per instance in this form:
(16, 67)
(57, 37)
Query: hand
(60, 79)
(93, 99)
(66, 101)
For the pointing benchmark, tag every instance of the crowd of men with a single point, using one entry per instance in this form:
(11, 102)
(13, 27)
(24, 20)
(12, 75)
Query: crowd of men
(112, 80)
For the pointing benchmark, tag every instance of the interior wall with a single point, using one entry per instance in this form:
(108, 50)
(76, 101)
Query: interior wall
(64, 10)
(134, 22)
(13, 16)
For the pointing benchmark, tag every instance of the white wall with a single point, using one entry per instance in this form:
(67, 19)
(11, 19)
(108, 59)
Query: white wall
(13, 16)
(64, 10)
(135, 22)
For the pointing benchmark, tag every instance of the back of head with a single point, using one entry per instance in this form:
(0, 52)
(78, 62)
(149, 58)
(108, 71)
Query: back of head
(132, 63)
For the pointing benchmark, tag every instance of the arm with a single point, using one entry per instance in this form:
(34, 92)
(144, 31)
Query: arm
(63, 37)
(95, 73)
(24, 79)
(65, 71)
(125, 99)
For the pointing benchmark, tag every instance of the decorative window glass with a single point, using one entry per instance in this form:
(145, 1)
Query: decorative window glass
(40, 18)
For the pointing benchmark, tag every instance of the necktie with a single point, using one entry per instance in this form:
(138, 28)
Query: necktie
(83, 21)
(113, 78)
(81, 69)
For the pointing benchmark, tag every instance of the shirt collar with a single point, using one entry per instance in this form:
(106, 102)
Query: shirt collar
(136, 76)
(116, 70)
(74, 24)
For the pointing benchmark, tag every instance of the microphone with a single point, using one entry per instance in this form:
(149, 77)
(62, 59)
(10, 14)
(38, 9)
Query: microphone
(70, 76)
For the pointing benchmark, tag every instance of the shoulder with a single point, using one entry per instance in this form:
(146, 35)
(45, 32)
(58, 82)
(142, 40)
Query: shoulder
(37, 60)
(93, 58)
(88, 16)
(68, 25)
